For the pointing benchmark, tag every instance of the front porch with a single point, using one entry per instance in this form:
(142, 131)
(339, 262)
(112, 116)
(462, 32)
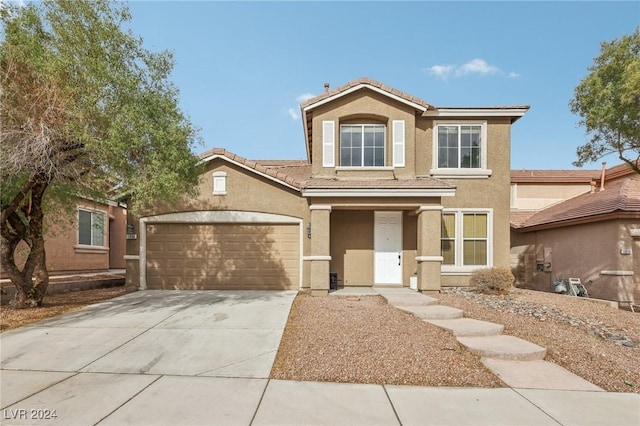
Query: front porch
(382, 245)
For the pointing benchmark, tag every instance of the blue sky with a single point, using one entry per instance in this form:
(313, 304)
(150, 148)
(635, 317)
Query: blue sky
(244, 67)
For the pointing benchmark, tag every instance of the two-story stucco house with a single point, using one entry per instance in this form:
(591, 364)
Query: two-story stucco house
(394, 188)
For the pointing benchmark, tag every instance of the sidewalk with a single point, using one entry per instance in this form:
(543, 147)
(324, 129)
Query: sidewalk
(141, 399)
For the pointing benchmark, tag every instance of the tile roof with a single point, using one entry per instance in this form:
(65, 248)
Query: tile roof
(371, 82)
(297, 173)
(619, 196)
(518, 218)
(268, 169)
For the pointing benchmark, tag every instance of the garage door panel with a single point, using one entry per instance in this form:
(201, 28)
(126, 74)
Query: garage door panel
(223, 256)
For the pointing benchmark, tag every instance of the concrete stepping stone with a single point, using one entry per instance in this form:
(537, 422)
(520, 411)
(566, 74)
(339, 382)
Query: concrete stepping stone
(433, 312)
(503, 347)
(409, 300)
(538, 375)
(468, 327)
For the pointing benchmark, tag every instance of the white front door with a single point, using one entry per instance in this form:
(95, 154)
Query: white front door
(387, 242)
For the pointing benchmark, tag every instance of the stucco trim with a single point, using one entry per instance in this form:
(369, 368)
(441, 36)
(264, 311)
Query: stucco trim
(82, 248)
(311, 258)
(213, 217)
(430, 208)
(461, 173)
(617, 273)
(634, 232)
(515, 112)
(379, 193)
(429, 259)
(320, 207)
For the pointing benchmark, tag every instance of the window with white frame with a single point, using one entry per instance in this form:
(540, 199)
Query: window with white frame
(466, 239)
(459, 146)
(91, 228)
(219, 183)
(362, 145)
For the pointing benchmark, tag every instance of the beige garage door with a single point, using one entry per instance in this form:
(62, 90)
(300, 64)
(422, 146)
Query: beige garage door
(223, 256)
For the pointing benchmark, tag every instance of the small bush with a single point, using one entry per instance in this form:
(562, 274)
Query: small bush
(492, 280)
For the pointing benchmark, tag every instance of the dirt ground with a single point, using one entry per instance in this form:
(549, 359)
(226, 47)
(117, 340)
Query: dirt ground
(365, 340)
(55, 305)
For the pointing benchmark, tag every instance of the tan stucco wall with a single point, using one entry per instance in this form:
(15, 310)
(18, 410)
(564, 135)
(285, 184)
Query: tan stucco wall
(63, 253)
(584, 251)
(538, 196)
(492, 192)
(352, 246)
(245, 191)
(117, 241)
(364, 106)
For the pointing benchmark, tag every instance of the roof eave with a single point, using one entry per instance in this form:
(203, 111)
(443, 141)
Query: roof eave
(513, 112)
(391, 192)
(361, 86)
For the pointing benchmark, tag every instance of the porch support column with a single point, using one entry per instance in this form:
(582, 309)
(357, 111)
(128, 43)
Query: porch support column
(429, 257)
(320, 249)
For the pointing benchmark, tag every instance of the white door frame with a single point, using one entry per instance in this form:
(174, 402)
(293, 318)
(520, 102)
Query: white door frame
(387, 256)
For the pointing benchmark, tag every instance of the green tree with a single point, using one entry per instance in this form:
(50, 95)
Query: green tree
(84, 109)
(608, 102)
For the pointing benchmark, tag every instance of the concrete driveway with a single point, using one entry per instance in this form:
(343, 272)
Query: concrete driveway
(156, 346)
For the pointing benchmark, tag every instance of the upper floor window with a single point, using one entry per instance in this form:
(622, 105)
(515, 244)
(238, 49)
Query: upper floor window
(460, 150)
(91, 228)
(459, 146)
(362, 145)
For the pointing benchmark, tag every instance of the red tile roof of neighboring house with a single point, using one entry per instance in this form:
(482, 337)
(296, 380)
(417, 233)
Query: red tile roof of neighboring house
(619, 196)
(518, 218)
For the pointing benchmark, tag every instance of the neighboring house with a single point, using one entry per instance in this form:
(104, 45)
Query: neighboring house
(92, 239)
(394, 191)
(579, 224)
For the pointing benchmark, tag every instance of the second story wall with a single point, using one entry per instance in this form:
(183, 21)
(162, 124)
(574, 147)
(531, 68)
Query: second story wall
(389, 129)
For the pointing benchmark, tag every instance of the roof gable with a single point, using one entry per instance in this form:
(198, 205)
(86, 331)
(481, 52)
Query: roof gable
(365, 83)
(272, 169)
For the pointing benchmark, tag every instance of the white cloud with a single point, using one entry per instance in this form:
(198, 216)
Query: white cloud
(441, 71)
(475, 66)
(293, 114)
(305, 97)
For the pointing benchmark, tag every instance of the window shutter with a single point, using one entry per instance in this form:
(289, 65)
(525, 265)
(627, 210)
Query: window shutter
(398, 143)
(328, 144)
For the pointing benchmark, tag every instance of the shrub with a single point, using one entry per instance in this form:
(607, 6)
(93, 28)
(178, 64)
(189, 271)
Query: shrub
(492, 280)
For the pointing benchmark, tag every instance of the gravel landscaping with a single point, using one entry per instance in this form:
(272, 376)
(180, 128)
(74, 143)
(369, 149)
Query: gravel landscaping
(365, 340)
